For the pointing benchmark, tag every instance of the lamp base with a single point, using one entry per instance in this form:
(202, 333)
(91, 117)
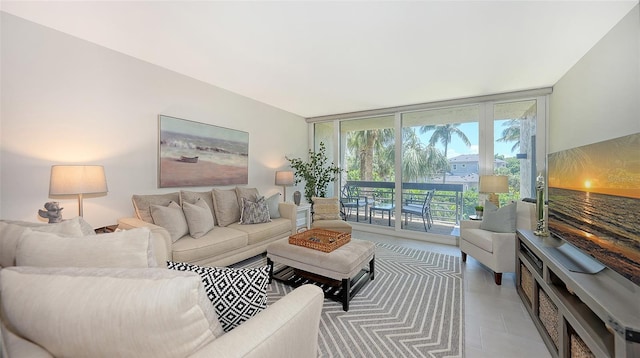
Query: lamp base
(493, 198)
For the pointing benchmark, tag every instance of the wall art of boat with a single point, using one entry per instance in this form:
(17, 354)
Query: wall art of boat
(188, 159)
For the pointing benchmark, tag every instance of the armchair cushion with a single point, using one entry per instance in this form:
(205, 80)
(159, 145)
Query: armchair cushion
(499, 219)
(88, 312)
(326, 208)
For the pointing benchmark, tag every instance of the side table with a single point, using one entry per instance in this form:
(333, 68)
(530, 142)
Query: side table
(106, 229)
(303, 217)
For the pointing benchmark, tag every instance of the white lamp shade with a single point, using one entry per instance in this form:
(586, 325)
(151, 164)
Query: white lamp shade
(77, 179)
(494, 184)
(284, 178)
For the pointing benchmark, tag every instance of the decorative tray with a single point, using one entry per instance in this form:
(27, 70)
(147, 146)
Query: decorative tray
(320, 239)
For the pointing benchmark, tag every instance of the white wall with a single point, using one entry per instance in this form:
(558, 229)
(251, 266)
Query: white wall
(65, 100)
(599, 98)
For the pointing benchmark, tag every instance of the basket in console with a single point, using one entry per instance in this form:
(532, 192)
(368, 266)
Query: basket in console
(320, 239)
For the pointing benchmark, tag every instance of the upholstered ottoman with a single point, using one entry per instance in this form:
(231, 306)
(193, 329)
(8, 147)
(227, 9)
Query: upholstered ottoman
(341, 273)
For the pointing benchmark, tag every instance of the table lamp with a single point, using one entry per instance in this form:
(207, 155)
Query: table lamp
(492, 184)
(77, 180)
(284, 178)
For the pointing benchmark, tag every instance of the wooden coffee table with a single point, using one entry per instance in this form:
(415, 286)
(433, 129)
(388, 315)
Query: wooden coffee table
(340, 273)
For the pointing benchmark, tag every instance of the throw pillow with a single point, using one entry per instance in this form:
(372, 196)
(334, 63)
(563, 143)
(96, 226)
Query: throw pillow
(499, 220)
(97, 312)
(11, 232)
(254, 212)
(142, 204)
(129, 248)
(273, 203)
(225, 205)
(236, 294)
(250, 194)
(199, 218)
(192, 196)
(326, 208)
(171, 218)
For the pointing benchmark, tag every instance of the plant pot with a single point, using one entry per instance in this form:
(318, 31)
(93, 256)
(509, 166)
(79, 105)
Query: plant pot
(479, 213)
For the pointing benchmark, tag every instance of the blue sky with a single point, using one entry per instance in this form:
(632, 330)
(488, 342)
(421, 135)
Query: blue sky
(456, 147)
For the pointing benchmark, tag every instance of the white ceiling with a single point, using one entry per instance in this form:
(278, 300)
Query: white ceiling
(317, 58)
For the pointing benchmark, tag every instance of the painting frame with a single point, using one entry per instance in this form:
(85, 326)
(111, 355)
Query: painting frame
(194, 154)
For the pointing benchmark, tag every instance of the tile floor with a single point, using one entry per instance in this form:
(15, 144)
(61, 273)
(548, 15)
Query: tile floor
(496, 322)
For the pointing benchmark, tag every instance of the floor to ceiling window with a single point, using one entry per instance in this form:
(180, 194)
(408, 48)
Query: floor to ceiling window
(416, 169)
(439, 165)
(368, 157)
(515, 147)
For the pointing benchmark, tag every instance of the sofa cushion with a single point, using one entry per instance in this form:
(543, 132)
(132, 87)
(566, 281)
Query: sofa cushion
(199, 218)
(11, 231)
(142, 204)
(273, 203)
(192, 196)
(236, 294)
(265, 231)
(499, 219)
(326, 208)
(217, 241)
(254, 212)
(128, 248)
(170, 217)
(225, 205)
(93, 312)
(250, 194)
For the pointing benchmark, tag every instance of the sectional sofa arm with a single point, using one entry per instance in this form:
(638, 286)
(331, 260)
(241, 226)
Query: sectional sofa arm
(289, 211)
(161, 238)
(286, 329)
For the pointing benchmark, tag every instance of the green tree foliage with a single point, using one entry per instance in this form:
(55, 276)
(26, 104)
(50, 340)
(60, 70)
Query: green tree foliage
(315, 172)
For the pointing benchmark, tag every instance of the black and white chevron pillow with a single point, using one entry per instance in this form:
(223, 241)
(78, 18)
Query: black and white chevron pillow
(236, 294)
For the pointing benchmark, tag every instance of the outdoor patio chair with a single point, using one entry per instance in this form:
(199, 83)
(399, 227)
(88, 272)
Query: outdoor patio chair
(351, 199)
(424, 210)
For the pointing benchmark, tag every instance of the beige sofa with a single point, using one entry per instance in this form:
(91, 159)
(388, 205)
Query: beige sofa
(229, 241)
(113, 300)
(496, 250)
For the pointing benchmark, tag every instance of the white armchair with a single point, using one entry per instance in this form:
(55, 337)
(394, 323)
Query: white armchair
(495, 250)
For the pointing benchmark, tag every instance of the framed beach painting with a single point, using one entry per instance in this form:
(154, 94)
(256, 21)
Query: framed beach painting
(199, 154)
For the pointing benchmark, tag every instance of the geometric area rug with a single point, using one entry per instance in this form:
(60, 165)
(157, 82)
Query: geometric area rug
(413, 308)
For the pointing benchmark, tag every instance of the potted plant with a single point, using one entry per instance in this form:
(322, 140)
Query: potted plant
(315, 172)
(479, 210)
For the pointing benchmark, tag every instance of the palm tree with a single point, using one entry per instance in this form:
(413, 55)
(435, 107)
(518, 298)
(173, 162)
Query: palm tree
(364, 143)
(511, 133)
(443, 133)
(419, 161)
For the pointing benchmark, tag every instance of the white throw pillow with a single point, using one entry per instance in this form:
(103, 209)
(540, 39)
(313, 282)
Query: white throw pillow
(128, 248)
(273, 203)
(199, 218)
(11, 232)
(499, 219)
(93, 312)
(171, 218)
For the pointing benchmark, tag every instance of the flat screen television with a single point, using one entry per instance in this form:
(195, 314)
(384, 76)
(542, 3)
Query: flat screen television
(594, 202)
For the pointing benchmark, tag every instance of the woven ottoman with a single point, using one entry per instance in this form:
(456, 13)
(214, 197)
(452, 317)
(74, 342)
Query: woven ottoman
(340, 273)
